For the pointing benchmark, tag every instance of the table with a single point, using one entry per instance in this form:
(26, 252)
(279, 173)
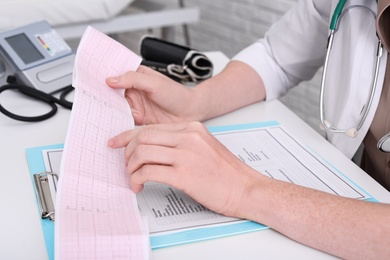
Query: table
(21, 236)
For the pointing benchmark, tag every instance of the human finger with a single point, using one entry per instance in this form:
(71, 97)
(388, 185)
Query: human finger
(152, 172)
(122, 139)
(165, 135)
(150, 155)
(135, 100)
(137, 79)
(147, 134)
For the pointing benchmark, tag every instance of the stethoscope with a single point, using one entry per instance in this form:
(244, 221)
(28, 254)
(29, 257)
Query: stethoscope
(49, 99)
(384, 142)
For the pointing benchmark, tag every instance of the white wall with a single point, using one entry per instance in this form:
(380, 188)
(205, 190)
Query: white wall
(230, 26)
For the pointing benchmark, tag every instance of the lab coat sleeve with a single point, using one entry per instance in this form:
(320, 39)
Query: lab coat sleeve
(293, 49)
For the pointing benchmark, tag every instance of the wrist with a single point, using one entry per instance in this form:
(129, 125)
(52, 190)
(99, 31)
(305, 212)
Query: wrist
(200, 105)
(254, 201)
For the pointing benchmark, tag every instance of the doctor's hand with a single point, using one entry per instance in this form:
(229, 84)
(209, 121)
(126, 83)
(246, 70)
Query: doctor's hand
(186, 156)
(155, 98)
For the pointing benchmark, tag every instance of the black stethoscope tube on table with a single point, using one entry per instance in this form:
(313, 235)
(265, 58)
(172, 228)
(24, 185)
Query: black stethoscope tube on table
(40, 96)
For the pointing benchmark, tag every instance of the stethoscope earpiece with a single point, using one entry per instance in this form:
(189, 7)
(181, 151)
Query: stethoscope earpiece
(326, 126)
(352, 132)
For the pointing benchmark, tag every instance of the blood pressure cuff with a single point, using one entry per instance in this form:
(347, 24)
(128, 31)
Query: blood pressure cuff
(175, 61)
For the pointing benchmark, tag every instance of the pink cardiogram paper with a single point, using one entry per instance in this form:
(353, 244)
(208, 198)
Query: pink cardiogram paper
(97, 216)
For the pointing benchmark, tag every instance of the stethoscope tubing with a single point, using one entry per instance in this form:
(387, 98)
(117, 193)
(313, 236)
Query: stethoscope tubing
(351, 132)
(384, 143)
(40, 96)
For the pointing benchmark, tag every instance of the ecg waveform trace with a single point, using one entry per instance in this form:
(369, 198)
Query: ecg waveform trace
(97, 216)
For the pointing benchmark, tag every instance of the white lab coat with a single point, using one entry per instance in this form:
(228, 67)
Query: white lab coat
(294, 49)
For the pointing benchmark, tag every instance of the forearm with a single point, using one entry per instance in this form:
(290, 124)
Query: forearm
(344, 227)
(236, 86)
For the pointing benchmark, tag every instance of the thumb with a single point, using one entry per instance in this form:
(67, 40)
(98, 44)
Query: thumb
(142, 79)
(113, 81)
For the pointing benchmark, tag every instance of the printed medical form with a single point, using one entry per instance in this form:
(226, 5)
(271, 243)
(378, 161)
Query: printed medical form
(270, 149)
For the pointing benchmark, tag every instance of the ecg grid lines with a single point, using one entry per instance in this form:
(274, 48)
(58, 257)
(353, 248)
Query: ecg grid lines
(97, 216)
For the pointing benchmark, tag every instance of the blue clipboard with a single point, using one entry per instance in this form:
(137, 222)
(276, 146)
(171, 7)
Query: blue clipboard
(36, 165)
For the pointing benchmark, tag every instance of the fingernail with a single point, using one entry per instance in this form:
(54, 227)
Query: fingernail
(111, 143)
(113, 79)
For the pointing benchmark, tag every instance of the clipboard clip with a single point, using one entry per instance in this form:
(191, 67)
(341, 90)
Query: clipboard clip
(42, 188)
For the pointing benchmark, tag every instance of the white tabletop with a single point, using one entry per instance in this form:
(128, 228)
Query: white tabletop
(21, 235)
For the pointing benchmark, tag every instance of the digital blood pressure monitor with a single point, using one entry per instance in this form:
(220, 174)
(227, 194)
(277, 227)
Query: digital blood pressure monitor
(37, 56)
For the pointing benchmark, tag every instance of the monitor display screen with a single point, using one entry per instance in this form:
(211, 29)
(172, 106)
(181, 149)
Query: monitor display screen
(24, 48)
